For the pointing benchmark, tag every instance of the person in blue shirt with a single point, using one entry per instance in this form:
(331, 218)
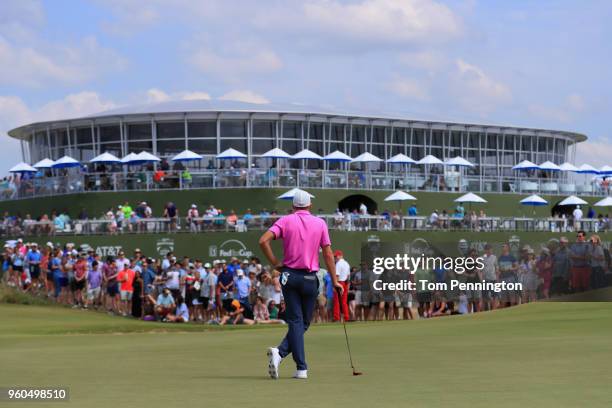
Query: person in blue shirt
(181, 314)
(33, 257)
(243, 286)
(329, 294)
(148, 276)
(248, 217)
(412, 211)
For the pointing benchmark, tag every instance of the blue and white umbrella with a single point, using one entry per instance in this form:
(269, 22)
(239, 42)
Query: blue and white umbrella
(231, 154)
(366, 158)
(605, 170)
(105, 158)
(534, 200)
(130, 158)
(306, 155)
(401, 158)
(430, 159)
(186, 156)
(44, 164)
(458, 162)
(549, 166)
(65, 162)
(573, 200)
(587, 169)
(22, 168)
(276, 153)
(337, 156)
(526, 165)
(289, 194)
(568, 167)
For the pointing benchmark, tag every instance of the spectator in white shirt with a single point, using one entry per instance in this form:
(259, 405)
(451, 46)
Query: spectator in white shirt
(343, 271)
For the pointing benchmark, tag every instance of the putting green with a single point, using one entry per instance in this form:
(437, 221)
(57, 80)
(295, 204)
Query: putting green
(546, 354)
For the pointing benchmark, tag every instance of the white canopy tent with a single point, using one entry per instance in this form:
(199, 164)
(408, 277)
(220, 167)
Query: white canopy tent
(337, 156)
(401, 158)
(573, 200)
(129, 158)
(526, 165)
(306, 155)
(65, 162)
(22, 168)
(186, 156)
(276, 153)
(288, 195)
(230, 154)
(606, 202)
(105, 158)
(44, 164)
(470, 198)
(549, 166)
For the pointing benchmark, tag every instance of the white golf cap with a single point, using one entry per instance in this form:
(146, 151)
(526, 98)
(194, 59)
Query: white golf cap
(301, 199)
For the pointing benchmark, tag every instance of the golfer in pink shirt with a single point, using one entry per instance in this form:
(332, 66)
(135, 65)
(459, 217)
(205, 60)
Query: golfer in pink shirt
(303, 235)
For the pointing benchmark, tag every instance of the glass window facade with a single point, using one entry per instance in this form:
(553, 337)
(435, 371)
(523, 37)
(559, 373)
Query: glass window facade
(493, 150)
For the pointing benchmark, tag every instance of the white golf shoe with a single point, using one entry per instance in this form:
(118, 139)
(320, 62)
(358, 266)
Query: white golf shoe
(274, 359)
(301, 374)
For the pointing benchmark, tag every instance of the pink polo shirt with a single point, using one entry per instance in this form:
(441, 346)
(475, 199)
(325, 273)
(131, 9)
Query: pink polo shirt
(303, 235)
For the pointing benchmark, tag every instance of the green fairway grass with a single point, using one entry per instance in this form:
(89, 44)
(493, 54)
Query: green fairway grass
(537, 355)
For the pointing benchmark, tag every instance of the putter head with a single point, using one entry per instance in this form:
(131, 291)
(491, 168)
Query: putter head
(357, 372)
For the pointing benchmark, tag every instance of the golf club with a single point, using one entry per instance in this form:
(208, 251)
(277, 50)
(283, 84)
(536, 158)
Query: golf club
(348, 347)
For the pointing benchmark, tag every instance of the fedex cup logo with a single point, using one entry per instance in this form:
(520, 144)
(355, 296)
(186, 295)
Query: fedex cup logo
(230, 248)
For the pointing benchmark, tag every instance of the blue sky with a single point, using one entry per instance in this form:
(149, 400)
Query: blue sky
(531, 63)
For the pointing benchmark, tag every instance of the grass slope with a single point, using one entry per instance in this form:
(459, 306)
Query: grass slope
(547, 354)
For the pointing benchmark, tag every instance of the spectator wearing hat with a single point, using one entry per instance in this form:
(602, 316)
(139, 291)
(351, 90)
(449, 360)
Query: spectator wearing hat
(343, 272)
(242, 285)
(165, 304)
(34, 259)
(192, 218)
(303, 235)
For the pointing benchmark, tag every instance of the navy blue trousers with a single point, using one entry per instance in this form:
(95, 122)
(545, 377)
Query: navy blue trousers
(300, 290)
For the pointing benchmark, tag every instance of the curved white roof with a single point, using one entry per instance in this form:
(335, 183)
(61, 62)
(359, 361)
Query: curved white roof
(221, 106)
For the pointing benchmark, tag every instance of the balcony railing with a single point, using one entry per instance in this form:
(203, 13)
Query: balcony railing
(338, 222)
(290, 178)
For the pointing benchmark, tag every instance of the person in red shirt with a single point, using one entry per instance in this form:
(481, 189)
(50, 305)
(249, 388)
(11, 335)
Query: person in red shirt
(80, 277)
(126, 288)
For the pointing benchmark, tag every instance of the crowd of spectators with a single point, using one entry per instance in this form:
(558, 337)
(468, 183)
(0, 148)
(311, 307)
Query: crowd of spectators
(243, 291)
(125, 218)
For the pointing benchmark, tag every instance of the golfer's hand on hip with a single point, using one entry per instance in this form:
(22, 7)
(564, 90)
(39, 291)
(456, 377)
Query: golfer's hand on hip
(338, 286)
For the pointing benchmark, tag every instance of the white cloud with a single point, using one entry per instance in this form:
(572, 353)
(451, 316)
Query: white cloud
(157, 95)
(244, 96)
(15, 112)
(572, 105)
(477, 91)
(596, 152)
(383, 21)
(430, 61)
(44, 64)
(409, 88)
(575, 102)
(236, 60)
